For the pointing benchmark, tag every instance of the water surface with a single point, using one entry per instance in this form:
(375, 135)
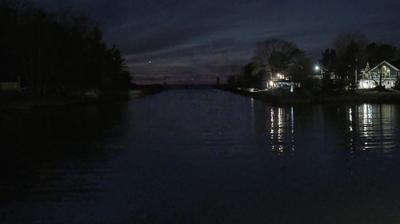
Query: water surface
(201, 156)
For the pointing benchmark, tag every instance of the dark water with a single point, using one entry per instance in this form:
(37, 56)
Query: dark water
(201, 156)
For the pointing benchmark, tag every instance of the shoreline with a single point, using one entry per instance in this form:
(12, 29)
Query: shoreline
(349, 98)
(28, 103)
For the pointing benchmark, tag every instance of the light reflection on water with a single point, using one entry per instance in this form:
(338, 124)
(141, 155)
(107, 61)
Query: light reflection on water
(201, 156)
(281, 129)
(371, 127)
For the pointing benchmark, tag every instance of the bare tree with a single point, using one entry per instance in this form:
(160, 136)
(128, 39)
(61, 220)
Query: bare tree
(342, 41)
(350, 48)
(276, 55)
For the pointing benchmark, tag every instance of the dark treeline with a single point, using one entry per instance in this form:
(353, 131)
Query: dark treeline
(271, 57)
(56, 54)
(350, 54)
(339, 65)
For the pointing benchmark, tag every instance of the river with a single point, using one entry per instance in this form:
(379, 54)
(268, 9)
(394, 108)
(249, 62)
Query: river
(201, 156)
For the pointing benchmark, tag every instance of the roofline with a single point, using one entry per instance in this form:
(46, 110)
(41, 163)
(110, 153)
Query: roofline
(383, 62)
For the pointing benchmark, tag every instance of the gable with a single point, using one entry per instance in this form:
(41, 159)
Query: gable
(387, 64)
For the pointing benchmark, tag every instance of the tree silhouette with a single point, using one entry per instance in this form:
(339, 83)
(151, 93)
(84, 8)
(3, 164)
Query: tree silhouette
(276, 55)
(57, 54)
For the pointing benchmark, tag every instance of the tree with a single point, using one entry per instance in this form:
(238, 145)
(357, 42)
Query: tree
(342, 42)
(61, 53)
(350, 49)
(300, 68)
(397, 84)
(329, 62)
(250, 76)
(376, 53)
(276, 55)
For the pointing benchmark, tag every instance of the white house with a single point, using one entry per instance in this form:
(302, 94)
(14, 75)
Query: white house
(384, 72)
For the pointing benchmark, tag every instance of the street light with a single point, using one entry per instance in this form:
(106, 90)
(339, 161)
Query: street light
(318, 69)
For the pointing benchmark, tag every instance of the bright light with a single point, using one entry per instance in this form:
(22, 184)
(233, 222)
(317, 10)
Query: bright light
(366, 84)
(280, 76)
(317, 68)
(271, 83)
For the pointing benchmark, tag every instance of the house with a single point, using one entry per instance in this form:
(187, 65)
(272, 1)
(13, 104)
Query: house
(383, 73)
(281, 82)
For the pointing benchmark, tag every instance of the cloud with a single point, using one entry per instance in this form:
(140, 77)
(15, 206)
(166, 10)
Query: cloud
(191, 38)
(211, 59)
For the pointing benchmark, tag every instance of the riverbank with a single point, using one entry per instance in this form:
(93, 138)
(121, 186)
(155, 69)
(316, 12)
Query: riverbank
(22, 102)
(360, 96)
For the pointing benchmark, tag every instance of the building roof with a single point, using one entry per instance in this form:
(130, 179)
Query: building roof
(386, 63)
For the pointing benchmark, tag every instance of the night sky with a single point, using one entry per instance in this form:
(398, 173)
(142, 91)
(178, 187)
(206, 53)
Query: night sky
(194, 41)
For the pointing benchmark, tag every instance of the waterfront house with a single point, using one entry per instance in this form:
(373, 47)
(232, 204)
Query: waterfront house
(280, 81)
(384, 73)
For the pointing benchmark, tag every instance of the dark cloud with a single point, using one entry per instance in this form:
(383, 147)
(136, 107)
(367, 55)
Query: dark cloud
(187, 39)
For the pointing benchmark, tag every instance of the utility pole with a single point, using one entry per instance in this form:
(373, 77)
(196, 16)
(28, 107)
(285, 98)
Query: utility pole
(355, 78)
(356, 74)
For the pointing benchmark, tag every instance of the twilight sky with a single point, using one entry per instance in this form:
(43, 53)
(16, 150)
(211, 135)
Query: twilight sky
(199, 39)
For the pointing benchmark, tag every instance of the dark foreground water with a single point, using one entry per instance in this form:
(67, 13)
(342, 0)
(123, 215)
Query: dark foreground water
(201, 156)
